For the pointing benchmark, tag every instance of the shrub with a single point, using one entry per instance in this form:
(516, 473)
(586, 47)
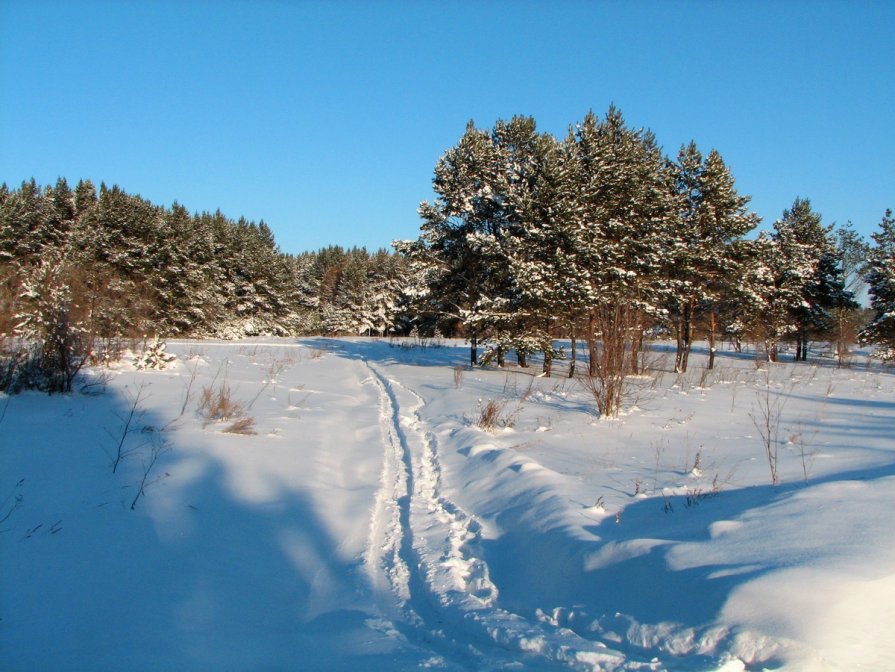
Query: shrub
(154, 356)
(51, 345)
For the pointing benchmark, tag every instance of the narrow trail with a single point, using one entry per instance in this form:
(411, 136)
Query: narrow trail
(424, 564)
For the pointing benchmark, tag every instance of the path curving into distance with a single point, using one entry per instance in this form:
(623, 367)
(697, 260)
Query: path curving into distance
(424, 565)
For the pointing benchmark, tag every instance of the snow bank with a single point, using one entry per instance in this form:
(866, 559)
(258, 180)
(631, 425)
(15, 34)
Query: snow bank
(366, 521)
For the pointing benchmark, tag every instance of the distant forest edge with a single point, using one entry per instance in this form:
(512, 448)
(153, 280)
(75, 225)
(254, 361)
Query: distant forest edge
(122, 266)
(598, 237)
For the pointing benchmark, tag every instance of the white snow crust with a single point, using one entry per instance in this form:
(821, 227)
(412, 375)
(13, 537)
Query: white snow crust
(370, 523)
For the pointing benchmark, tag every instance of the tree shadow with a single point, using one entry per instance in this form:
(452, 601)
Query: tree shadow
(196, 577)
(630, 572)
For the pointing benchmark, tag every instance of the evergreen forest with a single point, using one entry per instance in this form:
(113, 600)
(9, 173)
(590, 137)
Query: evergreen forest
(597, 238)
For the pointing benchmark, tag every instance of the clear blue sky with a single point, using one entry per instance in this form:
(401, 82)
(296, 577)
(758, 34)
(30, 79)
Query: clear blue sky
(326, 119)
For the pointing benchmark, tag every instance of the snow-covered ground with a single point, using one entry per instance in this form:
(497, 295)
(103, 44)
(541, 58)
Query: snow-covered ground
(369, 523)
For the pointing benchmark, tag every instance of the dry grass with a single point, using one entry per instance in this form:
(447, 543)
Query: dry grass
(244, 425)
(493, 414)
(216, 405)
(489, 413)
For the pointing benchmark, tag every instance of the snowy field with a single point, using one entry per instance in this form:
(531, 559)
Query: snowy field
(363, 520)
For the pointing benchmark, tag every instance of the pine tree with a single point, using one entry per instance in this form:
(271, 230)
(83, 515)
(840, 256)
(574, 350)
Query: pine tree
(61, 214)
(455, 232)
(826, 296)
(518, 311)
(132, 267)
(822, 285)
(624, 212)
(880, 277)
(23, 225)
(853, 253)
(786, 269)
(712, 218)
(85, 198)
(50, 324)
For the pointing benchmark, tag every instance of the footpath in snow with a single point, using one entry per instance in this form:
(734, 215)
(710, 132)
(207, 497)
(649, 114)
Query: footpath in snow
(350, 511)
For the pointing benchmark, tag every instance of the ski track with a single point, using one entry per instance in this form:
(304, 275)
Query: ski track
(423, 563)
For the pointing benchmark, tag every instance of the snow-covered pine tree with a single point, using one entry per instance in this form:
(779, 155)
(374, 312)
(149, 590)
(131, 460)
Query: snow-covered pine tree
(539, 245)
(135, 267)
(712, 218)
(880, 277)
(61, 213)
(154, 356)
(306, 293)
(511, 313)
(108, 244)
(85, 197)
(52, 328)
(822, 286)
(624, 211)
(384, 277)
(347, 314)
(254, 279)
(182, 277)
(23, 225)
(854, 253)
(456, 226)
(826, 297)
(784, 265)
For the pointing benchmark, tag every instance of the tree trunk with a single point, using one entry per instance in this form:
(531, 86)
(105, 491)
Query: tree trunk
(636, 347)
(501, 358)
(473, 350)
(713, 326)
(573, 357)
(522, 359)
(840, 338)
(685, 337)
(592, 342)
(679, 352)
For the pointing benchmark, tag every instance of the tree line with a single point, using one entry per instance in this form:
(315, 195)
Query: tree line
(597, 237)
(600, 238)
(81, 268)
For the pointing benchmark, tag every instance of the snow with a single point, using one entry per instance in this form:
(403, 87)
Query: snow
(370, 523)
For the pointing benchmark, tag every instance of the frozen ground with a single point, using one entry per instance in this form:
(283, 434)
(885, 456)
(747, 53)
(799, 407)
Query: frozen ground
(369, 523)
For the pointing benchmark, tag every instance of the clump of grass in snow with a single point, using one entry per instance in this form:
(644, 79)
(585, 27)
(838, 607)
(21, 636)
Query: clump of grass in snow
(493, 414)
(244, 425)
(216, 405)
(458, 376)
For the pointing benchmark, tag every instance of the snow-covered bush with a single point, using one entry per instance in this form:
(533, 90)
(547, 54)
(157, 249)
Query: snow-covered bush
(886, 354)
(52, 344)
(154, 356)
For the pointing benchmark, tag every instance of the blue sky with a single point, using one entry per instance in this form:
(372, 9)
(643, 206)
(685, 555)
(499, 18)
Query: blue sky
(326, 119)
